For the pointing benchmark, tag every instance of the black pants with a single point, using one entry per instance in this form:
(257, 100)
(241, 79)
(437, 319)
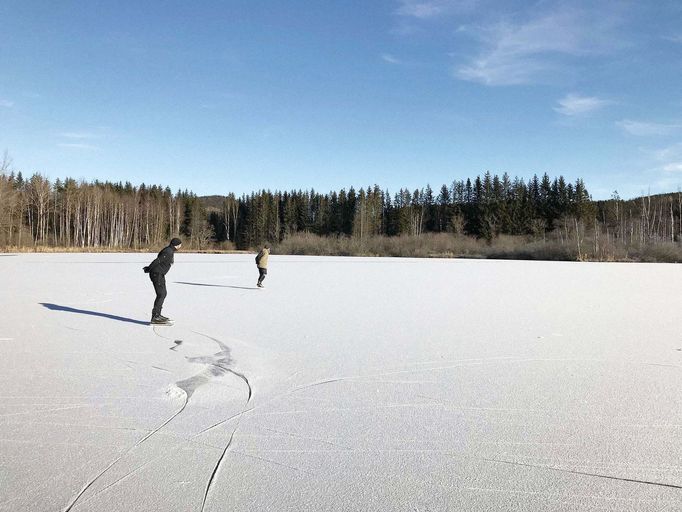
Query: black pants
(262, 272)
(159, 282)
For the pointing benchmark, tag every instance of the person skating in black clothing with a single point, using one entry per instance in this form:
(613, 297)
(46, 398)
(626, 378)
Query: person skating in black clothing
(157, 271)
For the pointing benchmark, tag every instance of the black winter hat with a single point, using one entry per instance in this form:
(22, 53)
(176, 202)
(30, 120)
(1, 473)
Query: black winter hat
(175, 242)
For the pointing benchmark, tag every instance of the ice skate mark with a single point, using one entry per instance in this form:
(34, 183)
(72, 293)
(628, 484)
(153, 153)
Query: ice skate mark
(68, 408)
(117, 459)
(221, 422)
(6, 339)
(72, 328)
(125, 362)
(177, 344)
(157, 333)
(77, 425)
(218, 285)
(318, 383)
(270, 461)
(537, 466)
(57, 307)
(290, 377)
(663, 365)
(297, 436)
(551, 496)
(273, 399)
(283, 395)
(162, 369)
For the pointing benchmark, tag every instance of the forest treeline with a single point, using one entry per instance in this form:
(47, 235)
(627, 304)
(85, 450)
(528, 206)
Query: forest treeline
(540, 212)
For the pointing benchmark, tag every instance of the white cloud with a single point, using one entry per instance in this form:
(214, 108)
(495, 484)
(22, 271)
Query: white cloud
(89, 147)
(667, 160)
(390, 59)
(668, 154)
(79, 135)
(6, 103)
(575, 105)
(645, 129)
(427, 9)
(673, 167)
(514, 53)
(675, 38)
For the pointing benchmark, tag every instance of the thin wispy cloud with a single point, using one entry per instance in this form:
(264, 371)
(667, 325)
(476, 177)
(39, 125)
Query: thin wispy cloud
(516, 53)
(6, 103)
(576, 105)
(667, 160)
(428, 9)
(79, 135)
(674, 167)
(669, 154)
(76, 145)
(647, 129)
(674, 38)
(387, 57)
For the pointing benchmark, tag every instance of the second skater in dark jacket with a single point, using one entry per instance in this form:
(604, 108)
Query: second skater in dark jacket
(157, 271)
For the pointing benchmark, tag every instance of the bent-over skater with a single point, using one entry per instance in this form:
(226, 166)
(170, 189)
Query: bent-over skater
(157, 271)
(262, 264)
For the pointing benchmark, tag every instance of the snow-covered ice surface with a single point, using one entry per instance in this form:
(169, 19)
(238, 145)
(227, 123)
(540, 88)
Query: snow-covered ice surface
(345, 384)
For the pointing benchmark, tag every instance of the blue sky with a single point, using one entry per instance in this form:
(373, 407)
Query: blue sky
(234, 96)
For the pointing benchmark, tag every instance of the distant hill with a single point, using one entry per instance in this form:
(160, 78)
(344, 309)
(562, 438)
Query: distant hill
(212, 202)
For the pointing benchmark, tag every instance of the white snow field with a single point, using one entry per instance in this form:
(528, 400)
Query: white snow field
(346, 384)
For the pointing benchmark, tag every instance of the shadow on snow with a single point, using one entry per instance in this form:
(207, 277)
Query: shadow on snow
(57, 307)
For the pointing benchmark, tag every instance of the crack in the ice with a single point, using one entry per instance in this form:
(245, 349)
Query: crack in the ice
(622, 479)
(150, 434)
(217, 466)
(283, 395)
(219, 366)
(129, 473)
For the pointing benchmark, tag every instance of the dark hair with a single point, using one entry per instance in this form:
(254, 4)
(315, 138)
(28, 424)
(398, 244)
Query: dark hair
(175, 242)
(266, 246)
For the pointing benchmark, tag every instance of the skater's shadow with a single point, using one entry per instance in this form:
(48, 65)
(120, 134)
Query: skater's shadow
(218, 285)
(57, 307)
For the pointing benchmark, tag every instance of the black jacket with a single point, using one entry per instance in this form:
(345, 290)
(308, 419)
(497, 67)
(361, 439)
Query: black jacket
(162, 263)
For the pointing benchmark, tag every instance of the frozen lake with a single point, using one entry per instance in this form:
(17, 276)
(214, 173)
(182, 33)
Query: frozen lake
(346, 384)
